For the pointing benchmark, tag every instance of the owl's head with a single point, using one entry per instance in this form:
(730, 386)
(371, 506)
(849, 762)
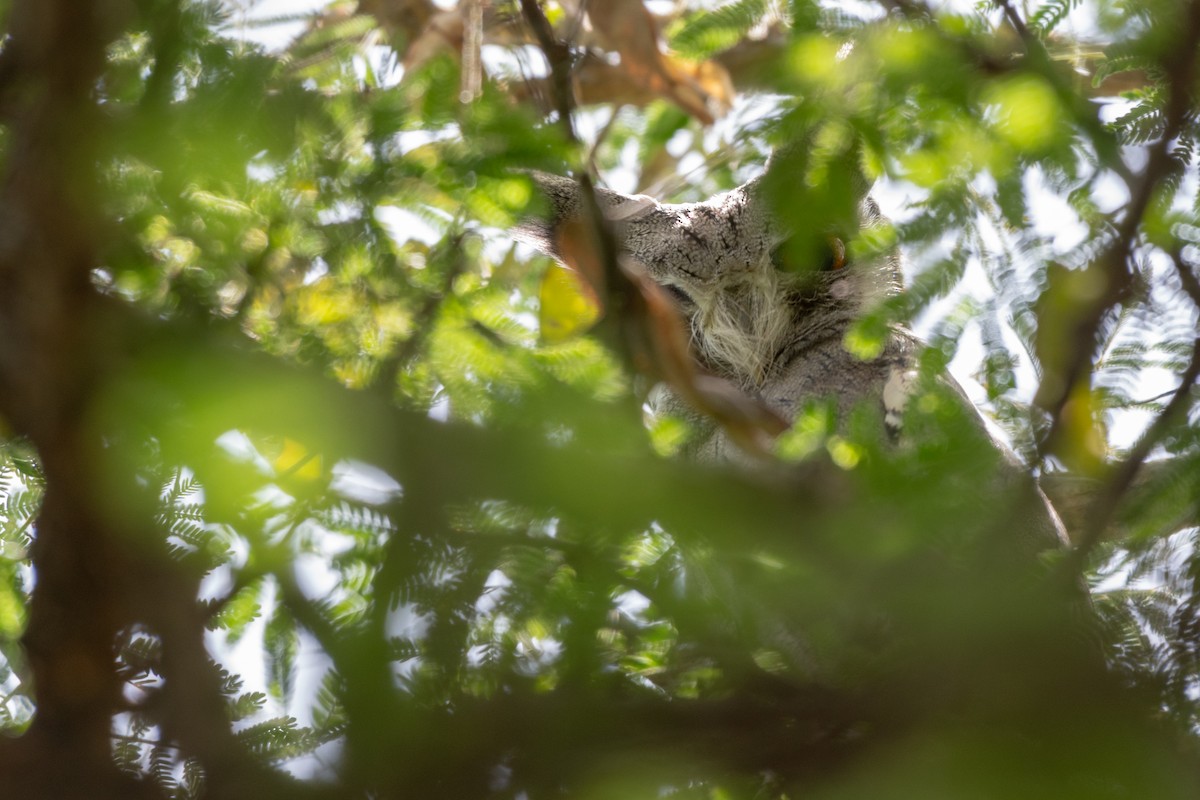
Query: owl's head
(756, 277)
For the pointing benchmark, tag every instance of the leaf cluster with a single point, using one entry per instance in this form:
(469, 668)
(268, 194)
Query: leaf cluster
(432, 548)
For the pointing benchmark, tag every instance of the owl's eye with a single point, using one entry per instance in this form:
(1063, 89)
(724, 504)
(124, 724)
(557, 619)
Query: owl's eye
(681, 297)
(836, 259)
(829, 256)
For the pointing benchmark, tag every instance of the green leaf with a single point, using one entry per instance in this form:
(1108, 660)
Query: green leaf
(239, 611)
(708, 32)
(281, 642)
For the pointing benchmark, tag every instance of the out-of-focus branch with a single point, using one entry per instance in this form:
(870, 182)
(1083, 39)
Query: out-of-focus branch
(801, 732)
(95, 576)
(1103, 508)
(558, 54)
(594, 227)
(208, 380)
(1179, 65)
(190, 706)
(1075, 496)
(47, 371)
(1014, 19)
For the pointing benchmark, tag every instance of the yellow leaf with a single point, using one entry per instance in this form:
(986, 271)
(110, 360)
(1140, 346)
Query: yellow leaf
(568, 305)
(1060, 309)
(845, 454)
(296, 461)
(1081, 440)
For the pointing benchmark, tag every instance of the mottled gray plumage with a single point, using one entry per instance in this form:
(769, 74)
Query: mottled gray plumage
(778, 335)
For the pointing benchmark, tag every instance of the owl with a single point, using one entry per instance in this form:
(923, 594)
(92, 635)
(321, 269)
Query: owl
(772, 316)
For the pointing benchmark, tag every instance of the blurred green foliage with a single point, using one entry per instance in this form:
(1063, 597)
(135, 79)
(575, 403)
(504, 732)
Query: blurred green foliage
(444, 549)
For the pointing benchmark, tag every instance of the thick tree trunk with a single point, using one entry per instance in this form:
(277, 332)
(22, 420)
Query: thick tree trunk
(46, 375)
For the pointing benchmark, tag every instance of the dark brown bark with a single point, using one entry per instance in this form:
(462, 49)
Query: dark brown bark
(46, 377)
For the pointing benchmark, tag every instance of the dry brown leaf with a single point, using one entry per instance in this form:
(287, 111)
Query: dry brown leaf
(627, 27)
(663, 335)
(713, 78)
(575, 242)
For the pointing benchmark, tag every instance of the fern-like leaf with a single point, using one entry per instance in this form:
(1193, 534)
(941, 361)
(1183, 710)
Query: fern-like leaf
(1049, 16)
(710, 32)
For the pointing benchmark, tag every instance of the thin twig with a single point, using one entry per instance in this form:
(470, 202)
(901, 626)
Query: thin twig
(558, 54)
(1152, 400)
(576, 23)
(472, 64)
(619, 288)
(599, 140)
(142, 740)
(1015, 20)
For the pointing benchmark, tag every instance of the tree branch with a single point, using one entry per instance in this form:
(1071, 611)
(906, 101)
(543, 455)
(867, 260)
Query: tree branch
(47, 373)
(94, 577)
(1015, 20)
(1122, 479)
(1180, 67)
(209, 380)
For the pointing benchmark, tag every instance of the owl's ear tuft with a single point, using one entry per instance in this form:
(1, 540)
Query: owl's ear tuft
(564, 197)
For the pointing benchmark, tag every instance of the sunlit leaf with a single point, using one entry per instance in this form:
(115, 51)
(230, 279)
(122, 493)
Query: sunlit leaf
(567, 305)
